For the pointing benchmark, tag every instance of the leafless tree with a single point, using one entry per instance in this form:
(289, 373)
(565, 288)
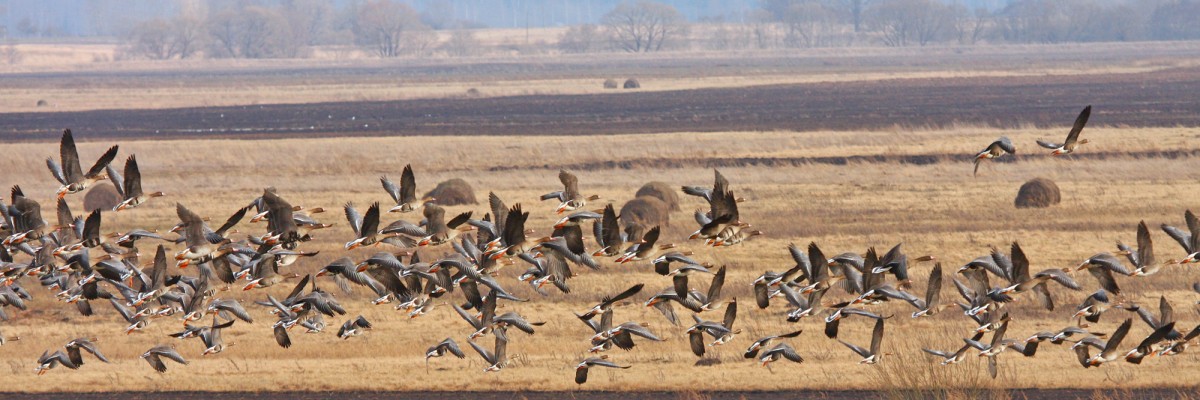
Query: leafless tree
(1175, 20)
(806, 22)
(462, 43)
(644, 26)
(904, 22)
(9, 54)
(581, 39)
(969, 26)
(1031, 21)
(383, 26)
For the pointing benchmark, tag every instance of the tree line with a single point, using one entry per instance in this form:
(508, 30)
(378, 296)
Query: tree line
(391, 28)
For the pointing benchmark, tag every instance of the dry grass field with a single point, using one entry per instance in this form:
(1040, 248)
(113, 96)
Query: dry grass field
(846, 190)
(936, 209)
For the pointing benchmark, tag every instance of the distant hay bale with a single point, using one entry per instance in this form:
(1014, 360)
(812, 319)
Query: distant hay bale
(632, 83)
(662, 191)
(101, 197)
(42, 103)
(647, 211)
(472, 92)
(1038, 193)
(453, 192)
(611, 83)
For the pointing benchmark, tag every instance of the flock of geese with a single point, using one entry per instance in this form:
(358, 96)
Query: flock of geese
(62, 258)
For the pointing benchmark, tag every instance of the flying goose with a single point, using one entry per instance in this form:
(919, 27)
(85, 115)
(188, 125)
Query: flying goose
(956, 356)
(1142, 259)
(581, 370)
(570, 199)
(443, 347)
(365, 227)
(1190, 241)
(608, 301)
(1102, 266)
(608, 233)
(155, 354)
(722, 331)
(496, 360)
(129, 186)
(405, 195)
(50, 360)
(353, 327)
(70, 173)
(1073, 140)
(783, 351)
(873, 355)
(87, 344)
(1111, 347)
(994, 150)
(759, 344)
(932, 304)
(211, 337)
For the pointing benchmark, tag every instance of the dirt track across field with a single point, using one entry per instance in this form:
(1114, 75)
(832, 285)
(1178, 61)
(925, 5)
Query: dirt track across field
(1153, 99)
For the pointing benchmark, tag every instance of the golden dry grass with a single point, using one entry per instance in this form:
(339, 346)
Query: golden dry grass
(934, 209)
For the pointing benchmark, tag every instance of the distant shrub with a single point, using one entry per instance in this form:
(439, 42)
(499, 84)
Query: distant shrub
(1038, 193)
(662, 191)
(472, 92)
(632, 83)
(453, 192)
(646, 211)
(103, 196)
(611, 83)
(42, 103)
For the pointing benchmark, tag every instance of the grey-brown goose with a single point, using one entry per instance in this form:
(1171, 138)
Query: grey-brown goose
(1190, 240)
(608, 233)
(211, 337)
(608, 301)
(155, 355)
(956, 356)
(1073, 141)
(129, 186)
(50, 360)
(1111, 351)
(994, 150)
(404, 195)
(443, 347)
(780, 351)
(70, 173)
(570, 199)
(354, 327)
(581, 370)
(1102, 266)
(495, 360)
(759, 344)
(87, 344)
(872, 355)
(27, 223)
(1143, 258)
(365, 227)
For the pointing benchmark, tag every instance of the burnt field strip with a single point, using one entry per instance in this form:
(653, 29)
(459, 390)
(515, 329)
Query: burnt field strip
(1155, 99)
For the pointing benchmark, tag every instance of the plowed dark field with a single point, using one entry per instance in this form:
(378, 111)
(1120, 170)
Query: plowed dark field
(1154, 99)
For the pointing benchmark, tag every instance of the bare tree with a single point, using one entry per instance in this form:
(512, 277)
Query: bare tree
(644, 26)
(581, 39)
(9, 54)
(151, 39)
(383, 26)
(1175, 20)
(252, 32)
(856, 9)
(903, 22)
(969, 26)
(462, 43)
(806, 22)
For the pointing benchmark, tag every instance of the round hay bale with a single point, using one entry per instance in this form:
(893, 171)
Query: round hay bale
(453, 192)
(662, 191)
(647, 211)
(101, 197)
(611, 83)
(42, 103)
(632, 83)
(472, 92)
(1038, 193)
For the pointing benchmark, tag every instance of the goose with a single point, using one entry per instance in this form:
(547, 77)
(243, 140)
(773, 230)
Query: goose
(1142, 259)
(1102, 266)
(365, 227)
(211, 337)
(129, 186)
(70, 173)
(646, 249)
(50, 360)
(231, 307)
(581, 370)
(1190, 241)
(354, 327)
(1073, 140)
(993, 349)
(994, 150)
(752, 351)
(445, 346)
(86, 344)
(1093, 306)
(932, 304)
(155, 355)
(608, 233)
(780, 351)
(1111, 347)
(1153, 344)
(956, 356)
(1022, 282)
(495, 360)
(404, 195)
(1166, 316)
(608, 301)
(872, 355)
(26, 219)
(570, 199)
(722, 331)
